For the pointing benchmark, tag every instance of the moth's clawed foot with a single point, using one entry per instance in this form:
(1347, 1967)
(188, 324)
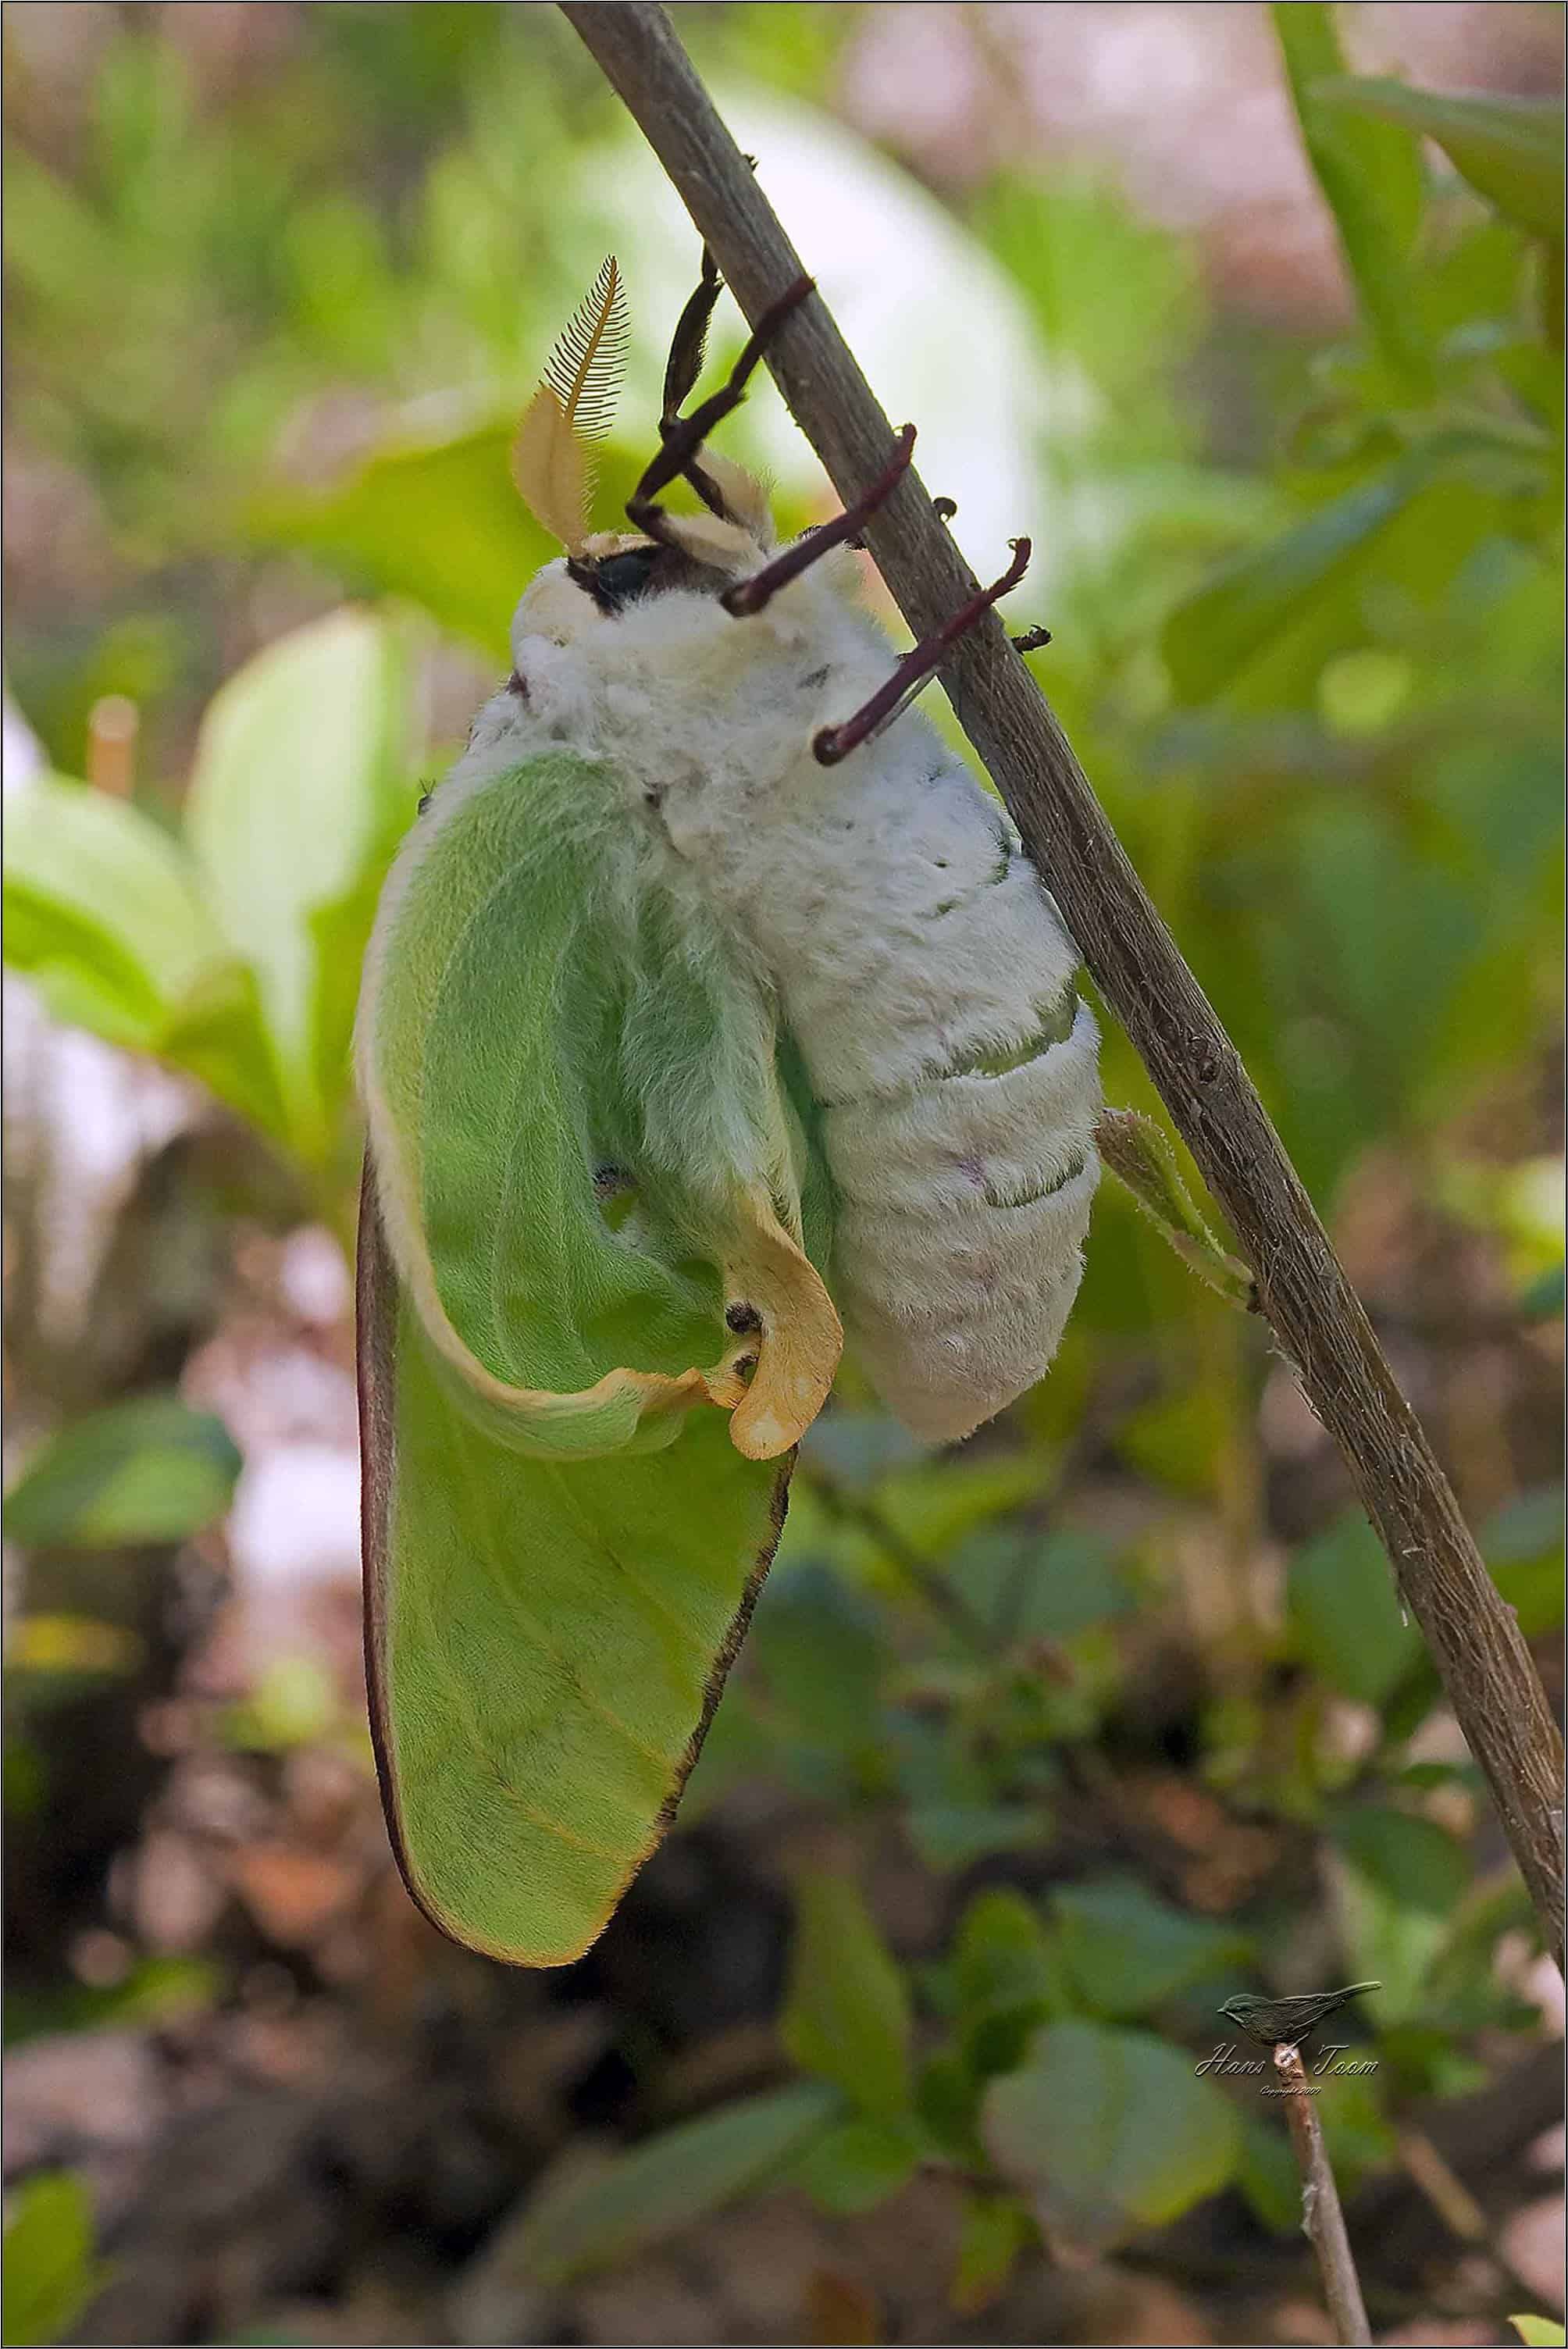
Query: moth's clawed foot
(750, 595)
(681, 436)
(1033, 640)
(917, 668)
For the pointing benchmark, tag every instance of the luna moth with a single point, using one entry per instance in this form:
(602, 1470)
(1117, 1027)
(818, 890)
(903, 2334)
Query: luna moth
(690, 1018)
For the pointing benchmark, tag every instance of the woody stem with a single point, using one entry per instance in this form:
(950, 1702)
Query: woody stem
(1322, 2218)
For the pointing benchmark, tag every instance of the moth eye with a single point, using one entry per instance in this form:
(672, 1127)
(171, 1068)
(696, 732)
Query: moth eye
(618, 579)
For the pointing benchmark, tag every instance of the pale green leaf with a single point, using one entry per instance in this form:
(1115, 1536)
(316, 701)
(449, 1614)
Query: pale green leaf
(299, 794)
(104, 913)
(96, 891)
(1539, 2331)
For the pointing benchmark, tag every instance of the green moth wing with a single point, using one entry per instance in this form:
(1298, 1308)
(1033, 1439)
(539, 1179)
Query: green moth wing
(590, 1333)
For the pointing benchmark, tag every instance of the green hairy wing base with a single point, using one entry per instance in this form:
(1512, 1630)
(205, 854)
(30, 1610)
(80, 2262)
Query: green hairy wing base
(582, 1152)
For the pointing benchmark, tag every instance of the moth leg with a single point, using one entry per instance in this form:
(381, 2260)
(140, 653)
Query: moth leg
(689, 348)
(687, 433)
(749, 596)
(914, 672)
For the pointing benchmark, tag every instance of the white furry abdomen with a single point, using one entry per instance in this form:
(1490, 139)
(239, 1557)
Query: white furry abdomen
(929, 984)
(920, 966)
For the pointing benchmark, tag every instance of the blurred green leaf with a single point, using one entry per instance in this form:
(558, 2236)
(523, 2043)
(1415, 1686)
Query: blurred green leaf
(1356, 2131)
(859, 2164)
(299, 795)
(1344, 1614)
(50, 2272)
(440, 524)
(815, 1649)
(847, 2011)
(1522, 1546)
(1029, 1585)
(1262, 626)
(149, 1470)
(1178, 1440)
(105, 913)
(1413, 1861)
(1108, 2130)
(59, 1654)
(1511, 149)
(935, 1504)
(578, 2222)
(1268, 2174)
(1369, 171)
(1127, 1951)
(1002, 1955)
(945, 2094)
(951, 1836)
(1389, 1941)
(155, 1991)
(992, 2232)
(1545, 1298)
(1539, 2331)
(295, 1702)
(102, 911)
(1007, 1977)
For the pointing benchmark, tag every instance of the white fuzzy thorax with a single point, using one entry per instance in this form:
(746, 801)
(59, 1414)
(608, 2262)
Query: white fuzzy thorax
(919, 963)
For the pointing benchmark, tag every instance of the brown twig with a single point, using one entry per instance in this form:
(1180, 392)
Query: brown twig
(1322, 2219)
(1486, 1666)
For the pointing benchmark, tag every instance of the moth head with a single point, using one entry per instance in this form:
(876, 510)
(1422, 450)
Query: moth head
(609, 575)
(553, 463)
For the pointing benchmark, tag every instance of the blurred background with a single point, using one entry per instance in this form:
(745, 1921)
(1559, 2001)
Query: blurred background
(1039, 1749)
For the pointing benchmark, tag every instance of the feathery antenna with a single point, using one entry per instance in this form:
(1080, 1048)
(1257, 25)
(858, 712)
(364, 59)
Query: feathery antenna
(552, 457)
